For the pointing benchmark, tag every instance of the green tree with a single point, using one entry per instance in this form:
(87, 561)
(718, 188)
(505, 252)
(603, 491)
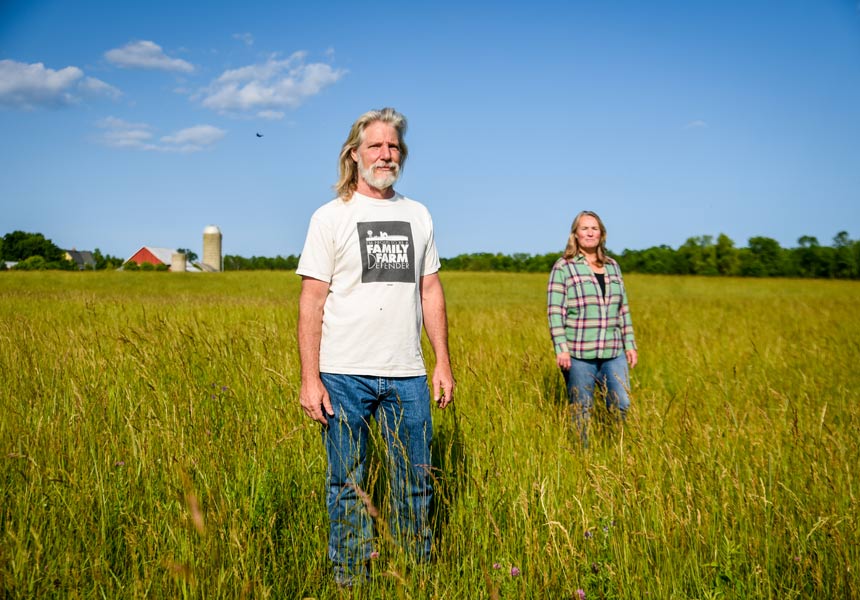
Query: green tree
(190, 255)
(542, 263)
(32, 263)
(809, 258)
(106, 261)
(844, 263)
(855, 250)
(657, 260)
(728, 261)
(20, 245)
(235, 263)
(764, 258)
(698, 256)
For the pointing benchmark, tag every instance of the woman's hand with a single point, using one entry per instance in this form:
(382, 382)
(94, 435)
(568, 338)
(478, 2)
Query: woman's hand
(562, 359)
(632, 358)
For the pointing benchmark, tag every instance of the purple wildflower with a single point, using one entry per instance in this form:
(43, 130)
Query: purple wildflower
(224, 388)
(580, 594)
(497, 566)
(374, 555)
(515, 572)
(588, 534)
(119, 463)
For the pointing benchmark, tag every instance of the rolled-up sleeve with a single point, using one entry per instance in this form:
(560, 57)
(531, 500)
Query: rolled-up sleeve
(556, 301)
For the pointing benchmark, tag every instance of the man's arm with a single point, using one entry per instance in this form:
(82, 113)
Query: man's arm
(436, 325)
(313, 395)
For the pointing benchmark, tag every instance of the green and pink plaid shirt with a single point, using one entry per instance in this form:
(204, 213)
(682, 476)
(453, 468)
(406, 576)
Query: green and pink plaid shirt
(583, 322)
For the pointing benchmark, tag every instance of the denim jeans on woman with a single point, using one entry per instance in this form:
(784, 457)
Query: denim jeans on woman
(401, 407)
(582, 377)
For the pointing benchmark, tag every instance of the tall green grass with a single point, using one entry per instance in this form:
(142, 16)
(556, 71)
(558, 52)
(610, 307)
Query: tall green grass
(152, 444)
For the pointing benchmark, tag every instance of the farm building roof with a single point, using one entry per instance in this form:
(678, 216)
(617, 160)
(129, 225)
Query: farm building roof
(83, 259)
(162, 255)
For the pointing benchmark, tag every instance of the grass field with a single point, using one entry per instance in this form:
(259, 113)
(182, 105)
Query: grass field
(152, 444)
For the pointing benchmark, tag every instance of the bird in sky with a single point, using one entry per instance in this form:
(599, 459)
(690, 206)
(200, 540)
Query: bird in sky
(259, 134)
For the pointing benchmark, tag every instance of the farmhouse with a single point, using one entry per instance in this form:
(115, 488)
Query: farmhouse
(83, 259)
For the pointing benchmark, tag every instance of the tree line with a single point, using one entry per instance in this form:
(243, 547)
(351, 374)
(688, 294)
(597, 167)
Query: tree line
(35, 252)
(701, 255)
(260, 263)
(762, 257)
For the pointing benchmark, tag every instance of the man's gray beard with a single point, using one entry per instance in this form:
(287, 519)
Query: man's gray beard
(380, 183)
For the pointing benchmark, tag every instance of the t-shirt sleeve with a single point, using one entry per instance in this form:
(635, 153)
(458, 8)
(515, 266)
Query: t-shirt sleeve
(317, 258)
(431, 255)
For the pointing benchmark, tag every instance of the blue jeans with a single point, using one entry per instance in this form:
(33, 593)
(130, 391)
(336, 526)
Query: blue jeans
(401, 407)
(610, 374)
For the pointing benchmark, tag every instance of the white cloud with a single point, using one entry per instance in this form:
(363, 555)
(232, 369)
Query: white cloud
(269, 86)
(194, 138)
(138, 136)
(97, 86)
(30, 86)
(271, 115)
(245, 38)
(146, 55)
(122, 134)
(697, 124)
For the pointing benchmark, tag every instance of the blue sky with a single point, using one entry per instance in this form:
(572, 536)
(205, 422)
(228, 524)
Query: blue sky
(134, 123)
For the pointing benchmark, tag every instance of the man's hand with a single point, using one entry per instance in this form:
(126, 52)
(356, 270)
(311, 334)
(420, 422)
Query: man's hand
(443, 385)
(313, 395)
(315, 400)
(436, 326)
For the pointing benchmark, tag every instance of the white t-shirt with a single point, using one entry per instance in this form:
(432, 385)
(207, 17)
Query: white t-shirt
(373, 254)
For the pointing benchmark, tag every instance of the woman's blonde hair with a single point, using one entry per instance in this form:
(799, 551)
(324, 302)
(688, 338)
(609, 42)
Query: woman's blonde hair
(347, 166)
(573, 248)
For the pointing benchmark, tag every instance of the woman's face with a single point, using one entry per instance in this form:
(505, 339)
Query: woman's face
(588, 233)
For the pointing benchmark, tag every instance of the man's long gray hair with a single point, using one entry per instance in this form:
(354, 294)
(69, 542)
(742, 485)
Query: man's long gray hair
(347, 166)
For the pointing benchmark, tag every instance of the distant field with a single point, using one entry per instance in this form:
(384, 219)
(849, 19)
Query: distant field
(152, 444)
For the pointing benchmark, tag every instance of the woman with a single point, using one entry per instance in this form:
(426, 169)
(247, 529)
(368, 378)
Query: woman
(589, 321)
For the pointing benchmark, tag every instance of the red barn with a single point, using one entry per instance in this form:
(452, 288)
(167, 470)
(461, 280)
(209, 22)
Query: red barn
(153, 256)
(157, 256)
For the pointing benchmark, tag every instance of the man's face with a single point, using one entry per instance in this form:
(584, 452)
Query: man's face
(378, 156)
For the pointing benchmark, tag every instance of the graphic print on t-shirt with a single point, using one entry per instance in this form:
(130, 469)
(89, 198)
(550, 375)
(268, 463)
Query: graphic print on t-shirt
(387, 254)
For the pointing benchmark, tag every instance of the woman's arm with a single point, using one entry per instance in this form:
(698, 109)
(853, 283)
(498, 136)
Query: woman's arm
(556, 295)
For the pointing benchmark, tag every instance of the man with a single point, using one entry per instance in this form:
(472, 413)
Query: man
(369, 279)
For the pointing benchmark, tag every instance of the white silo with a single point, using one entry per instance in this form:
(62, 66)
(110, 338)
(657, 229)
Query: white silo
(212, 247)
(177, 262)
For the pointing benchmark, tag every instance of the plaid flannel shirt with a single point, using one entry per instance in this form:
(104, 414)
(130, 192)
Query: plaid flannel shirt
(583, 322)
